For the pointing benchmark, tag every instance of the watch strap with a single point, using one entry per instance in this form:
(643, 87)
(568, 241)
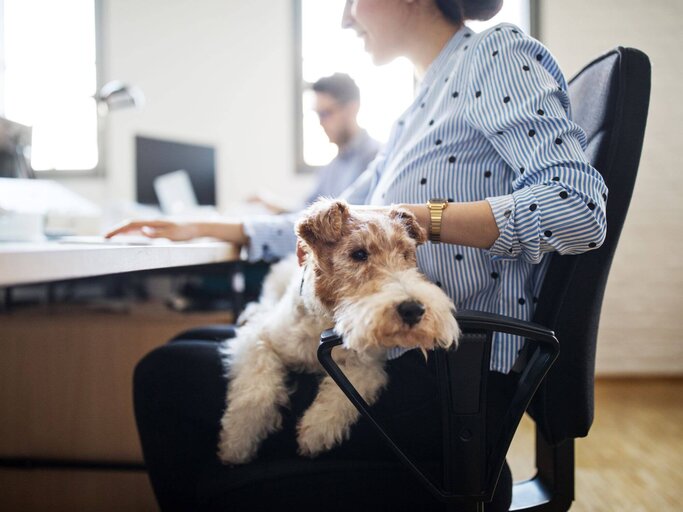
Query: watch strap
(436, 208)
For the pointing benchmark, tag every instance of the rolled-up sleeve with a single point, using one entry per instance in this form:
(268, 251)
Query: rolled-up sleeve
(521, 106)
(271, 237)
(359, 190)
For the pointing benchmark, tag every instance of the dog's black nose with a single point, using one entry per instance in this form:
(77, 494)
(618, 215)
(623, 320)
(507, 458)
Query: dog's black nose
(411, 312)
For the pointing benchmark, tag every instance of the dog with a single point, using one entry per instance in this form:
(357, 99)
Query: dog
(357, 273)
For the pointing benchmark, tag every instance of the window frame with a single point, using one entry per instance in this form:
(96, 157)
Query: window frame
(300, 85)
(300, 165)
(99, 171)
(2, 49)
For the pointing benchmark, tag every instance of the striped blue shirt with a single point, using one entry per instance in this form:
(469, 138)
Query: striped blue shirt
(351, 161)
(491, 120)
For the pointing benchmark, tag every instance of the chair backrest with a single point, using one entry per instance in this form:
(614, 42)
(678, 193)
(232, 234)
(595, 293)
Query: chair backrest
(610, 99)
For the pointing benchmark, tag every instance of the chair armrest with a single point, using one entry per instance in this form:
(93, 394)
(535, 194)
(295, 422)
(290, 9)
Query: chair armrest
(489, 322)
(330, 339)
(543, 349)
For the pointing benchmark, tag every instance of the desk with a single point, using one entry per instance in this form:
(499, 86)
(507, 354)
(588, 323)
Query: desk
(66, 373)
(27, 263)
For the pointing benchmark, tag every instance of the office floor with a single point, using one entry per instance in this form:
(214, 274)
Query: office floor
(633, 457)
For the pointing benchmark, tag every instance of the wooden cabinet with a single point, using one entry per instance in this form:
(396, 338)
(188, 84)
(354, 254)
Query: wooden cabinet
(65, 393)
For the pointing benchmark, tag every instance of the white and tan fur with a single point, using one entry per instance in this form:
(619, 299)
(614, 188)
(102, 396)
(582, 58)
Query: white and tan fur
(356, 269)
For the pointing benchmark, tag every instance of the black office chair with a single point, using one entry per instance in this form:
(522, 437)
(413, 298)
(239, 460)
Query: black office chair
(610, 100)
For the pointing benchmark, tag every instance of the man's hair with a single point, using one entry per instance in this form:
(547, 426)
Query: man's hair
(340, 86)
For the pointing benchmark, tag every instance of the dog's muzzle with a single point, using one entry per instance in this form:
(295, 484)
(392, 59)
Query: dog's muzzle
(411, 312)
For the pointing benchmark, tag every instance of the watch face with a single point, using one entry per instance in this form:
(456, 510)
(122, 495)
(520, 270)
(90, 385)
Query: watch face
(438, 201)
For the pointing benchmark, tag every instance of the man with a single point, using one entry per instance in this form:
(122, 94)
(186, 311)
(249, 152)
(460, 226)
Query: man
(337, 101)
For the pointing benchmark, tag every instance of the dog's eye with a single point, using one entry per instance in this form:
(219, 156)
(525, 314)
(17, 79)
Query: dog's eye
(359, 255)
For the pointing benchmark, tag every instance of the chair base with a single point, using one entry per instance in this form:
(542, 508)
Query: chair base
(552, 489)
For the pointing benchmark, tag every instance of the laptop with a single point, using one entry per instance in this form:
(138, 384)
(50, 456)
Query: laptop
(175, 193)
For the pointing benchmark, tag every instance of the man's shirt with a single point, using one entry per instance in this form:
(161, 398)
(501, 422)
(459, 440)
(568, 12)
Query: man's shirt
(346, 167)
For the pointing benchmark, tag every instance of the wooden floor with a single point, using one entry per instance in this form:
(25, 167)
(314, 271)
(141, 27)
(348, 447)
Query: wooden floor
(632, 460)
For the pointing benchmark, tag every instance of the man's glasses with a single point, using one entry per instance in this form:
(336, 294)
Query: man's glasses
(326, 113)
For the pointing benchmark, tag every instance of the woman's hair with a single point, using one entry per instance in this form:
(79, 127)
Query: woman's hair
(460, 10)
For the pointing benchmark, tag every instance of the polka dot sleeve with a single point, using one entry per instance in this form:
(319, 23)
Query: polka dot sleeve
(519, 103)
(271, 237)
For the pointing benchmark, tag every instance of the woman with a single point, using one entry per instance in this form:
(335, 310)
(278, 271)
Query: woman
(489, 133)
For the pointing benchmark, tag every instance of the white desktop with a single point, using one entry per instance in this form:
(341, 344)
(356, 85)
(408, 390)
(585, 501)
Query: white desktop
(33, 211)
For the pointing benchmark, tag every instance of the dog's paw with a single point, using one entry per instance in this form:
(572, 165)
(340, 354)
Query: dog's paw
(315, 437)
(242, 431)
(236, 447)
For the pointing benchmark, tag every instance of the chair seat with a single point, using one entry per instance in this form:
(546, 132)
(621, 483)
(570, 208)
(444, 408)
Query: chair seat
(325, 485)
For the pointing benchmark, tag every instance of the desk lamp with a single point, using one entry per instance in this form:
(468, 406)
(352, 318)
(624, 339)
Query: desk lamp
(116, 95)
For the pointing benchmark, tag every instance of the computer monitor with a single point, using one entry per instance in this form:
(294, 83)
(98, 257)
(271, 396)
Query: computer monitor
(15, 150)
(154, 157)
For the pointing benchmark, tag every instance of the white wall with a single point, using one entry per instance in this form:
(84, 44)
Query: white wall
(213, 72)
(641, 328)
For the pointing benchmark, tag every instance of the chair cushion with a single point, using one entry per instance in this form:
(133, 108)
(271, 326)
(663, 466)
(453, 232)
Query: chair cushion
(299, 484)
(593, 97)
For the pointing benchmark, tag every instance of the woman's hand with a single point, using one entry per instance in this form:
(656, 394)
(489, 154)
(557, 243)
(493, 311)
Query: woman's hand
(157, 229)
(229, 231)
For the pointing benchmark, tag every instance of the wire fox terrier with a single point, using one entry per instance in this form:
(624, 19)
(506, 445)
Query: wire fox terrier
(358, 273)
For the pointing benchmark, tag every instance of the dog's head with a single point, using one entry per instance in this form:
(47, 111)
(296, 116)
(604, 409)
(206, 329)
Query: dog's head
(364, 266)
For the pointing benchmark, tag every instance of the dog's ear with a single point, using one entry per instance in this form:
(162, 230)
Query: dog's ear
(300, 253)
(324, 223)
(409, 221)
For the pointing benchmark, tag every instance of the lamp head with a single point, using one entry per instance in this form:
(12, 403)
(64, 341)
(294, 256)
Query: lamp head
(116, 95)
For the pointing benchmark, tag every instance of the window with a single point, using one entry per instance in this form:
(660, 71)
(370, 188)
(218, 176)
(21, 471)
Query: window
(386, 91)
(48, 78)
(326, 49)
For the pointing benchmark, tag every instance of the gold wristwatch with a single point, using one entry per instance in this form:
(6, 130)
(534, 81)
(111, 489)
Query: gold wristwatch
(436, 208)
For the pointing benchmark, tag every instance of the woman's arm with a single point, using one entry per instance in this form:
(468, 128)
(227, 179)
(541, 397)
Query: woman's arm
(471, 224)
(267, 237)
(519, 103)
(230, 231)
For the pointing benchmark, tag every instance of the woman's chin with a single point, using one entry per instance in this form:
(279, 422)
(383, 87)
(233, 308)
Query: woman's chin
(380, 59)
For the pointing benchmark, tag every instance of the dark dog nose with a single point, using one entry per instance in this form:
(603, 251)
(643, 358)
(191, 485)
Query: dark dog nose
(411, 312)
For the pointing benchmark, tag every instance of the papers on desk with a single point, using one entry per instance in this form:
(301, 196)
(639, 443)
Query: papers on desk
(43, 196)
(21, 226)
(59, 210)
